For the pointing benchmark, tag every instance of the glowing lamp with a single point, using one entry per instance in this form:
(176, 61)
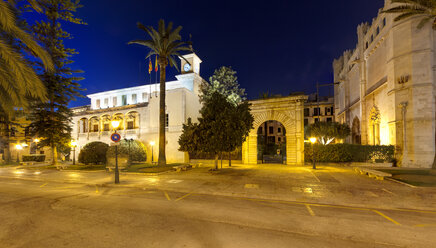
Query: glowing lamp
(18, 147)
(152, 143)
(312, 140)
(115, 124)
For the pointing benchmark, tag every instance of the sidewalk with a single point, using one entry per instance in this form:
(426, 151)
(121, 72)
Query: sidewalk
(326, 185)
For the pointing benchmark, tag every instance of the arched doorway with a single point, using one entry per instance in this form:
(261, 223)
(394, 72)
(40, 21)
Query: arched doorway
(271, 142)
(289, 112)
(355, 131)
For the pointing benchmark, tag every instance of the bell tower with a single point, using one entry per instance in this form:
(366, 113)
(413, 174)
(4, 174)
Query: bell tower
(193, 64)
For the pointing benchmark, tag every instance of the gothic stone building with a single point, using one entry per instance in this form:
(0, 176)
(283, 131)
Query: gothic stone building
(387, 87)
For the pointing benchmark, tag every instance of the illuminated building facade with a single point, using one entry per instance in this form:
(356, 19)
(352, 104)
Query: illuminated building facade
(387, 87)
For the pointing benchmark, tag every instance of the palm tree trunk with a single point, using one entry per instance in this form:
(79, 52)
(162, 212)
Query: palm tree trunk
(162, 158)
(7, 150)
(216, 161)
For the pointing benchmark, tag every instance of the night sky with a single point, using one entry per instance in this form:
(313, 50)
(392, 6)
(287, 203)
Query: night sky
(275, 46)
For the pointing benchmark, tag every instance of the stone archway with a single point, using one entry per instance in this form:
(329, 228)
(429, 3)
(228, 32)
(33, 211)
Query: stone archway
(286, 110)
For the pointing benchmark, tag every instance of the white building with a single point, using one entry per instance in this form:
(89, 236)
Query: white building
(387, 87)
(138, 109)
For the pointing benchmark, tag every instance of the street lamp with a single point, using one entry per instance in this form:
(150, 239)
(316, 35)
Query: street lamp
(115, 125)
(73, 144)
(313, 140)
(152, 144)
(18, 147)
(36, 141)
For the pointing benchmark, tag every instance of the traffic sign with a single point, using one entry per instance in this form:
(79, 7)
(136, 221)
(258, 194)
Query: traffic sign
(115, 137)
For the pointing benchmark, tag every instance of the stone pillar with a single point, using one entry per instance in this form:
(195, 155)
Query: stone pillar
(291, 150)
(252, 149)
(404, 159)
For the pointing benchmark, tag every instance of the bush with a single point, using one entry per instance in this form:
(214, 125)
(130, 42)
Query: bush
(137, 151)
(349, 153)
(34, 158)
(93, 153)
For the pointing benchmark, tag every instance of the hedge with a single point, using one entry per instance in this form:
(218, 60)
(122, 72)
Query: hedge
(34, 158)
(93, 153)
(137, 150)
(349, 153)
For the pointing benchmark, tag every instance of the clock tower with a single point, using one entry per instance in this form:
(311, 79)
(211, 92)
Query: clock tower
(193, 64)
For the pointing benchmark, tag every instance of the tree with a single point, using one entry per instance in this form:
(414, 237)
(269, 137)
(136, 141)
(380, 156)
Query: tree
(407, 8)
(51, 120)
(222, 127)
(166, 44)
(326, 132)
(225, 82)
(17, 78)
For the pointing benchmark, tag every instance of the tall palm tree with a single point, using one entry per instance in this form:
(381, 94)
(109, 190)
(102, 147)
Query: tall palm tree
(407, 8)
(166, 44)
(17, 78)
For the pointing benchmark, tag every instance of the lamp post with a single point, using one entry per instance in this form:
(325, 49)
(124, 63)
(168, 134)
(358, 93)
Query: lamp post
(73, 144)
(152, 144)
(312, 141)
(115, 125)
(18, 147)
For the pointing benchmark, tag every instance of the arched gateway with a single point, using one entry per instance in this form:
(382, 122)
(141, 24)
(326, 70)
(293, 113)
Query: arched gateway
(286, 110)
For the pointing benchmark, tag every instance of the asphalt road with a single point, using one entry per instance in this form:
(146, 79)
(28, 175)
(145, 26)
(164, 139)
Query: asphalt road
(39, 214)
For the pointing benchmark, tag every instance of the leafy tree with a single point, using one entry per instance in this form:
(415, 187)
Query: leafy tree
(407, 8)
(222, 127)
(135, 148)
(165, 42)
(225, 82)
(93, 153)
(17, 79)
(326, 132)
(51, 120)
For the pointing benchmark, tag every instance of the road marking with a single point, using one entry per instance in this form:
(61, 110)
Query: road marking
(310, 210)
(308, 190)
(385, 190)
(96, 189)
(251, 186)
(43, 185)
(386, 217)
(315, 176)
(178, 199)
(174, 181)
(425, 225)
(167, 196)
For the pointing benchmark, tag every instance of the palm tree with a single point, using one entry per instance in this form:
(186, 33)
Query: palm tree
(166, 44)
(17, 79)
(407, 8)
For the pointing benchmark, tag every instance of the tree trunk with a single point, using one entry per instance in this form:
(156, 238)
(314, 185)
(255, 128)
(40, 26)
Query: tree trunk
(230, 159)
(216, 161)
(162, 158)
(54, 151)
(7, 150)
(221, 155)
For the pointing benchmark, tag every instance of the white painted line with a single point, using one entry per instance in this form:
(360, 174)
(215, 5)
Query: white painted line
(315, 176)
(251, 186)
(390, 192)
(310, 210)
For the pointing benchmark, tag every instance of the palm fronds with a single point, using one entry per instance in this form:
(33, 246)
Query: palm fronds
(408, 8)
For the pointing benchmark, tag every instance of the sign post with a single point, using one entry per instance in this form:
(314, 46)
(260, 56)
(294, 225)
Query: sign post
(115, 137)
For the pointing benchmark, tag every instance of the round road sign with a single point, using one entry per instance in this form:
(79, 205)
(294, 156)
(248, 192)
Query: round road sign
(115, 137)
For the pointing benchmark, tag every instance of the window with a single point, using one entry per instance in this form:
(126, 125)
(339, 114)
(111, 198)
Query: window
(123, 100)
(144, 96)
(316, 120)
(106, 127)
(271, 130)
(97, 104)
(167, 121)
(372, 38)
(260, 130)
(279, 139)
(130, 124)
(106, 102)
(378, 31)
(95, 129)
(279, 130)
(316, 111)
(134, 101)
(114, 101)
(367, 45)
(306, 112)
(329, 119)
(384, 22)
(306, 122)
(271, 139)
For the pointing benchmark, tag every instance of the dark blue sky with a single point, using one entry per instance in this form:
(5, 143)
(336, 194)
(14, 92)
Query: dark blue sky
(276, 46)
